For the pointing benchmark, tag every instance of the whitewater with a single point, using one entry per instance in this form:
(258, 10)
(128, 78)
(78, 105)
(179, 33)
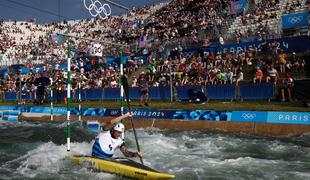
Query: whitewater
(37, 150)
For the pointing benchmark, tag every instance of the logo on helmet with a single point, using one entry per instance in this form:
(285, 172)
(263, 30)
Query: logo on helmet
(119, 127)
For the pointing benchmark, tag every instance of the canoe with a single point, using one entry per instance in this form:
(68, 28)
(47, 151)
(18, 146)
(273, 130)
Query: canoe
(120, 166)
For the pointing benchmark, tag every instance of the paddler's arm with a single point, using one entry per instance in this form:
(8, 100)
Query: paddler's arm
(108, 125)
(130, 154)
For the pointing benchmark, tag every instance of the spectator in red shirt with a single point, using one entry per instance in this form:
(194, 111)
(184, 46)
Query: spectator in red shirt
(258, 75)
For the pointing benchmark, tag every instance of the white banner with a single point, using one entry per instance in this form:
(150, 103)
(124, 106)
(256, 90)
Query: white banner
(97, 50)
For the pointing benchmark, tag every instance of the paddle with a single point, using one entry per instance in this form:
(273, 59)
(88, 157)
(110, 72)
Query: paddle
(124, 82)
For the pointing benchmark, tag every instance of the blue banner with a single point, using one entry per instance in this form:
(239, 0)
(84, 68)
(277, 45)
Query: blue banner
(202, 115)
(289, 117)
(113, 59)
(249, 116)
(288, 44)
(210, 115)
(295, 20)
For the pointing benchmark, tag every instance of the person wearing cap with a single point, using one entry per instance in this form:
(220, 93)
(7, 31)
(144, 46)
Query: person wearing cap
(111, 138)
(294, 62)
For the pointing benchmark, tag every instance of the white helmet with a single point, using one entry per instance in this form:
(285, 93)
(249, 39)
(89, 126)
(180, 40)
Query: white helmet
(119, 127)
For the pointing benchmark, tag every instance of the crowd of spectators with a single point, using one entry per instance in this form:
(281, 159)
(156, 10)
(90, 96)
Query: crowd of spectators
(291, 7)
(161, 24)
(28, 41)
(257, 23)
(93, 77)
(223, 68)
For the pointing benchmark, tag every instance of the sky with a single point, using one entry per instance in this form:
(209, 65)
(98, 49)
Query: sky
(46, 11)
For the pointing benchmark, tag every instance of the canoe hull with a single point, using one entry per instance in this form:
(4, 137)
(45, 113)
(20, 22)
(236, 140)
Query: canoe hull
(120, 166)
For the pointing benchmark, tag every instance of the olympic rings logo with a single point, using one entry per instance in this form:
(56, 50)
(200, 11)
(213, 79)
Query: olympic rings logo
(248, 116)
(114, 112)
(296, 19)
(96, 8)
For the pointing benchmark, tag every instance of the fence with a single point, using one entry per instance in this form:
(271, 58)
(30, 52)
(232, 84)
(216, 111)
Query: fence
(222, 91)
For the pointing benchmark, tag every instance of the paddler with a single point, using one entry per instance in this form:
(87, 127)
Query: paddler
(111, 137)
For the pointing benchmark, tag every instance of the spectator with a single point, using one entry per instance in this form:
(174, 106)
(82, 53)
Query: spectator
(152, 70)
(144, 89)
(239, 77)
(258, 77)
(162, 80)
(212, 77)
(24, 93)
(134, 81)
(287, 89)
(219, 77)
(293, 62)
(58, 91)
(282, 61)
(273, 75)
(228, 76)
(185, 80)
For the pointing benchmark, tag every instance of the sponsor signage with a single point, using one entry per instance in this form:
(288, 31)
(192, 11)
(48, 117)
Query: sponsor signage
(202, 115)
(145, 113)
(295, 20)
(288, 44)
(289, 117)
(97, 50)
(113, 112)
(233, 116)
(249, 116)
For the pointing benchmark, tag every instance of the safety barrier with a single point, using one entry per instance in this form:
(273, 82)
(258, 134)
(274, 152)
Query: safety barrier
(208, 115)
(221, 91)
(183, 91)
(256, 91)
